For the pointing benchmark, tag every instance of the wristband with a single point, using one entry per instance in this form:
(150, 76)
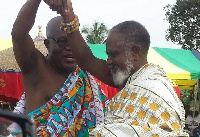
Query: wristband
(71, 26)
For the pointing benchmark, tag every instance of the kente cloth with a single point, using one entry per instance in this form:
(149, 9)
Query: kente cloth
(147, 106)
(76, 107)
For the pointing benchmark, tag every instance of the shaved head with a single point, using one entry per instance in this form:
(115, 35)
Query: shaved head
(53, 26)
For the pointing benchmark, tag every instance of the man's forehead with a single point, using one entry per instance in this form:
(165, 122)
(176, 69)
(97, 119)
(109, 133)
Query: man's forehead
(112, 48)
(58, 35)
(114, 39)
(113, 35)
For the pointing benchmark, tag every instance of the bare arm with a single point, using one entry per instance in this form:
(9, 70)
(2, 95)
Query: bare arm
(23, 46)
(81, 51)
(87, 60)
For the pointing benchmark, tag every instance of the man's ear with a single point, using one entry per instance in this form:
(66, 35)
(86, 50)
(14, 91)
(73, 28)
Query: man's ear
(46, 43)
(136, 51)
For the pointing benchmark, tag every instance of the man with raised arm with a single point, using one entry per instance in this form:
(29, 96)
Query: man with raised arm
(63, 99)
(147, 104)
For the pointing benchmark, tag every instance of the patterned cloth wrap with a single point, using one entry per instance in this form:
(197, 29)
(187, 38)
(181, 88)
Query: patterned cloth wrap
(147, 106)
(77, 107)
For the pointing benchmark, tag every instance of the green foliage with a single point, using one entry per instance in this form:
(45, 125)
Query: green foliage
(186, 97)
(184, 20)
(95, 34)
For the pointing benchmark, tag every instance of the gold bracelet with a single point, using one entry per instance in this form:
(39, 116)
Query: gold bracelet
(71, 26)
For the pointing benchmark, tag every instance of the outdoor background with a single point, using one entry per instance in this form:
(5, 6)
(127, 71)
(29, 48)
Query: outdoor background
(148, 12)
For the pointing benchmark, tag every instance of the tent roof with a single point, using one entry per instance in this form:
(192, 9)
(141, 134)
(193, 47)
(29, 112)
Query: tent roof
(196, 54)
(5, 43)
(172, 71)
(183, 59)
(99, 50)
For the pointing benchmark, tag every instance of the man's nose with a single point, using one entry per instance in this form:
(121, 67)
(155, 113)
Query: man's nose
(67, 47)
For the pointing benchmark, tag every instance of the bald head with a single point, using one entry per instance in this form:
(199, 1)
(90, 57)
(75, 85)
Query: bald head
(53, 26)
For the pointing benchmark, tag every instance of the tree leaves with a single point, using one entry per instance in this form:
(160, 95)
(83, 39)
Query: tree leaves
(184, 20)
(95, 34)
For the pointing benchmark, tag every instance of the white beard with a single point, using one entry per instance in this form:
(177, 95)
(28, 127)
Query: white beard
(121, 75)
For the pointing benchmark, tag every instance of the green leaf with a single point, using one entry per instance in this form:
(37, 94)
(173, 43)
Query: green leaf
(184, 23)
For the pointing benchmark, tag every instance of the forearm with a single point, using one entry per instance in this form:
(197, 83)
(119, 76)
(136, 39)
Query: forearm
(25, 19)
(80, 49)
(87, 60)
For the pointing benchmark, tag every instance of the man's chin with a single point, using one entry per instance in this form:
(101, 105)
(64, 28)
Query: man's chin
(119, 78)
(70, 66)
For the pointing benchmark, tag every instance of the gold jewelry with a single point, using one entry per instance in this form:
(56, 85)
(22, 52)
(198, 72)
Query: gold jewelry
(71, 26)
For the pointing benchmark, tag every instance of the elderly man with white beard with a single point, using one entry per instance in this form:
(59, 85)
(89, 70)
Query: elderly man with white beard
(146, 104)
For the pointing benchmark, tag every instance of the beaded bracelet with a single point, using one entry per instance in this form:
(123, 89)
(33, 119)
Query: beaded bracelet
(71, 26)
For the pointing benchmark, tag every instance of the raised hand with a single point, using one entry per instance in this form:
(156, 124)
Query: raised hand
(59, 5)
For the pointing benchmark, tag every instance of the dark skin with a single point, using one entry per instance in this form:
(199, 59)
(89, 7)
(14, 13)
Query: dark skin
(115, 49)
(42, 76)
